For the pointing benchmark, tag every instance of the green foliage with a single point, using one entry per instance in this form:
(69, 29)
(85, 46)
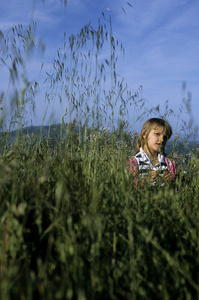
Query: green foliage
(74, 226)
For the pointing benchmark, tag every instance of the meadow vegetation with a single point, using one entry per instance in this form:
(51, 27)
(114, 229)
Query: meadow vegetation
(73, 224)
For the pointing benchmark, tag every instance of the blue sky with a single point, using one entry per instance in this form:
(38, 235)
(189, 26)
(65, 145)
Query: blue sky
(160, 38)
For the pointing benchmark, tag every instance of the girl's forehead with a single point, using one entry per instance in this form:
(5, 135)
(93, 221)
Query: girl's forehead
(161, 129)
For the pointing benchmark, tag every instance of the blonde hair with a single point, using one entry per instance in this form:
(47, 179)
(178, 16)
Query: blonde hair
(149, 125)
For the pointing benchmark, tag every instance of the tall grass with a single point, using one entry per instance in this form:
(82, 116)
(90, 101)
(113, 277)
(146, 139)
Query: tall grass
(73, 224)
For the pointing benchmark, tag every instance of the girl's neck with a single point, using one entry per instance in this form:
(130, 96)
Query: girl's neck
(151, 155)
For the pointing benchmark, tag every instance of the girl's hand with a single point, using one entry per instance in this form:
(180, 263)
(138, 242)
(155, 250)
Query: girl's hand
(167, 177)
(153, 175)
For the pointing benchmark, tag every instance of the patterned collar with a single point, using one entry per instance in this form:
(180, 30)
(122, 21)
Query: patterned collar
(146, 159)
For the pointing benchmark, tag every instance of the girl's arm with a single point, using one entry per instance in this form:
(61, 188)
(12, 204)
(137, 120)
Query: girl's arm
(132, 167)
(171, 167)
(170, 174)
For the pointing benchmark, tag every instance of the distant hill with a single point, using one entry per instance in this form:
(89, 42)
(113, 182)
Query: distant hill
(55, 131)
(48, 131)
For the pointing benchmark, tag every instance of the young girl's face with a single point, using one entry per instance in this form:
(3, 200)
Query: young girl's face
(156, 139)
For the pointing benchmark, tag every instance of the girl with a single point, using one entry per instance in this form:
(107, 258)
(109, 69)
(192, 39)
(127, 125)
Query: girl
(150, 164)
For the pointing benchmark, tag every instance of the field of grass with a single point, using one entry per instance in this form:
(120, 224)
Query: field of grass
(74, 226)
